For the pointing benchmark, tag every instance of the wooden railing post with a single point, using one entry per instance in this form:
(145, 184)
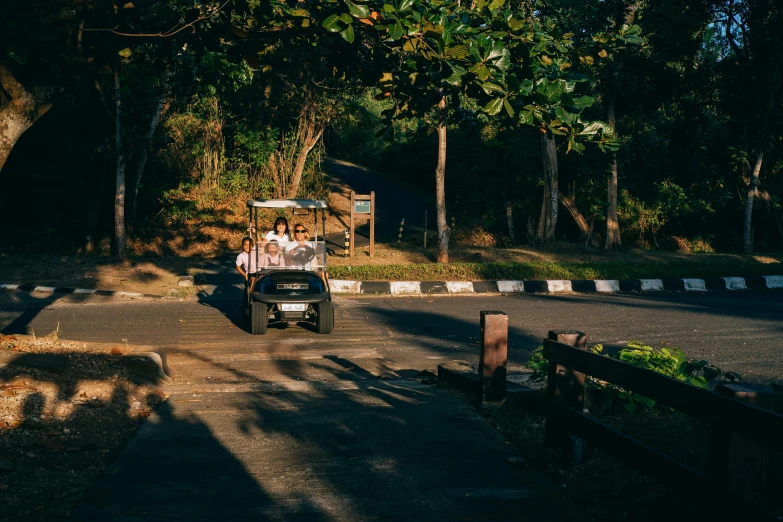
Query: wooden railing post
(565, 385)
(737, 464)
(493, 356)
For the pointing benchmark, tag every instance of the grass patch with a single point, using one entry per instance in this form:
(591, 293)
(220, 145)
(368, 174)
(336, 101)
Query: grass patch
(538, 270)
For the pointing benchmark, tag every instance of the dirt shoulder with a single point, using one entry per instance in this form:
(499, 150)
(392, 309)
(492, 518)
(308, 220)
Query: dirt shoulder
(148, 275)
(394, 261)
(66, 410)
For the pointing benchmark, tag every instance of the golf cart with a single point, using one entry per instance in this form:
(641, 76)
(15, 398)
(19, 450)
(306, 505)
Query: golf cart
(296, 289)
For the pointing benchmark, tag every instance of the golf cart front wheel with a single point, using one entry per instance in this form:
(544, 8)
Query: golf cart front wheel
(258, 318)
(325, 317)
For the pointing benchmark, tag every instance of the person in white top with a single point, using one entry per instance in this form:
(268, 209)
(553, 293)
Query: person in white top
(300, 251)
(246, 263)
(279, 232)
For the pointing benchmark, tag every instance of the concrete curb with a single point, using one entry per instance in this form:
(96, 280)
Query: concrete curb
(554, 286)
(148, 365)
(76, 291)
(549, 286)
(464, 376)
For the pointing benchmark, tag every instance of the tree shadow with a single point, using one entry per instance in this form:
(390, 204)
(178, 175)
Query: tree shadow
(67, 415)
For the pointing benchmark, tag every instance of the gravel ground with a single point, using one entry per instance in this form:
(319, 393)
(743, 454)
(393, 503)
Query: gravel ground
(66, 409)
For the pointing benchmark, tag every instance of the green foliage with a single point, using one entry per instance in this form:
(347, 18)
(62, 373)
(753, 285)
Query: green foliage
(670, 362)
(494, 271)
(697, 99)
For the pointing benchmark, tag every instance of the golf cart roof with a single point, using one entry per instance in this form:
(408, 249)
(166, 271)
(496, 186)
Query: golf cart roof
(286, 203)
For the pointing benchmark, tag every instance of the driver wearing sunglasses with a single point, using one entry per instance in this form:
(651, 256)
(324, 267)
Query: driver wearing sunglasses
(300, 251)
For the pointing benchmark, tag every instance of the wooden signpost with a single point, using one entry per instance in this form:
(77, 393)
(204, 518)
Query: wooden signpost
(363, 204)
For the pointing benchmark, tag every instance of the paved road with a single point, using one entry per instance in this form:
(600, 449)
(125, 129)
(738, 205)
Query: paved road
(739, 331)
(393, 201)
(294, 425)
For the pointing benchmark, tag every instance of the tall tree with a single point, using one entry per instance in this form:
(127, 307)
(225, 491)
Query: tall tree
(750, 29)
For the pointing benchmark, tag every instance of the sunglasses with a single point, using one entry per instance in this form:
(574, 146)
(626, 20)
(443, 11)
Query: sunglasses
(299, 231)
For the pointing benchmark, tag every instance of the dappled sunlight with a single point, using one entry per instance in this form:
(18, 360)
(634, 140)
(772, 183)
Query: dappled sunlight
(65, 411)
(150, 275)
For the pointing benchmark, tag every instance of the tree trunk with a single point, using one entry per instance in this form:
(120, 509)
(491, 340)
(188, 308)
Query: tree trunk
(612, 224)
(311, 137)
(548, 218)
(146, 141)
(509, 206)
(119, 197)
(444, 232)
(23, 109)
(510, 221)
(569, 202)
(754, 181)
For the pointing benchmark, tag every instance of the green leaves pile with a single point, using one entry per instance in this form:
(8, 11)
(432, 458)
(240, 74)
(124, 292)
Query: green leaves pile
(671, 362)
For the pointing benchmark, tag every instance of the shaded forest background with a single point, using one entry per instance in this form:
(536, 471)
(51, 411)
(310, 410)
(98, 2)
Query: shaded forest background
(696, 106)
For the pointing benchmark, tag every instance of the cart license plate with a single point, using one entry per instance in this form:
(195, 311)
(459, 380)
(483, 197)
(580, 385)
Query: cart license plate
(292, 286)
(293, 307)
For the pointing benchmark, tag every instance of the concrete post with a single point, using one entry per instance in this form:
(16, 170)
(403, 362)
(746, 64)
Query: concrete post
(493, 356)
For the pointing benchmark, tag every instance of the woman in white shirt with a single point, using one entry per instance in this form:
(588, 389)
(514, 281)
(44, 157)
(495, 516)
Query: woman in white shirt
(279, 232)
(300, 251)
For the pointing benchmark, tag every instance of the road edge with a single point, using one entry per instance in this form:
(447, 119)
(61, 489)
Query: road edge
(548, 286)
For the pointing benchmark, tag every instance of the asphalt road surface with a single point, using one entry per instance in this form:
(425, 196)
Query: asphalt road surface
(742, 332)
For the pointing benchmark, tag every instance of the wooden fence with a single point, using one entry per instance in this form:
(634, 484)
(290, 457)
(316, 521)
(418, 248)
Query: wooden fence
(736, 427)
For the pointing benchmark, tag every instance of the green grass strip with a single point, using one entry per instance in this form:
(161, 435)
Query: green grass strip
(543, 270)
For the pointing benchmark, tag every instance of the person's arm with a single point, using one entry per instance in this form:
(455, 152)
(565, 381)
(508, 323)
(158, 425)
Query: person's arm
(239, 269)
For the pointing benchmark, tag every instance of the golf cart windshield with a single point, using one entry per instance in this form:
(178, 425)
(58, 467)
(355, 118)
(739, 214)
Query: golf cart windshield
(306, 255)
(293, 255)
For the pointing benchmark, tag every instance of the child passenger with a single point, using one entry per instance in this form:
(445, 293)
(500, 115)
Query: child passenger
(246, 263)
(273, 257)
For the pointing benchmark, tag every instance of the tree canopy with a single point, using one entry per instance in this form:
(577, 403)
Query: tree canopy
(675, 105)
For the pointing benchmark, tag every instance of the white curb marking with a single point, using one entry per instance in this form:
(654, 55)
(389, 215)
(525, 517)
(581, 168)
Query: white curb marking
(559, 285)
(45, 289)
(607, 285)
(652, 285)
(511, 287)
(131, 294)
(460, 287)
(9, 287)
(405, 288)
(342, 286)
(735, 283)
(84, 291)
(774, 281)
(694, 285)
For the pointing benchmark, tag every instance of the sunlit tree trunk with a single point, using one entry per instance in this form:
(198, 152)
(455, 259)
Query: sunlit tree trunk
(569, 202)
(444, 232)
(119, 195)
(754, 181)
(311, 136)
(144, 146)
(510, 221)
(20, 109)
(311, 128)
(547, 221)
(509, 208)
(612, 224)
